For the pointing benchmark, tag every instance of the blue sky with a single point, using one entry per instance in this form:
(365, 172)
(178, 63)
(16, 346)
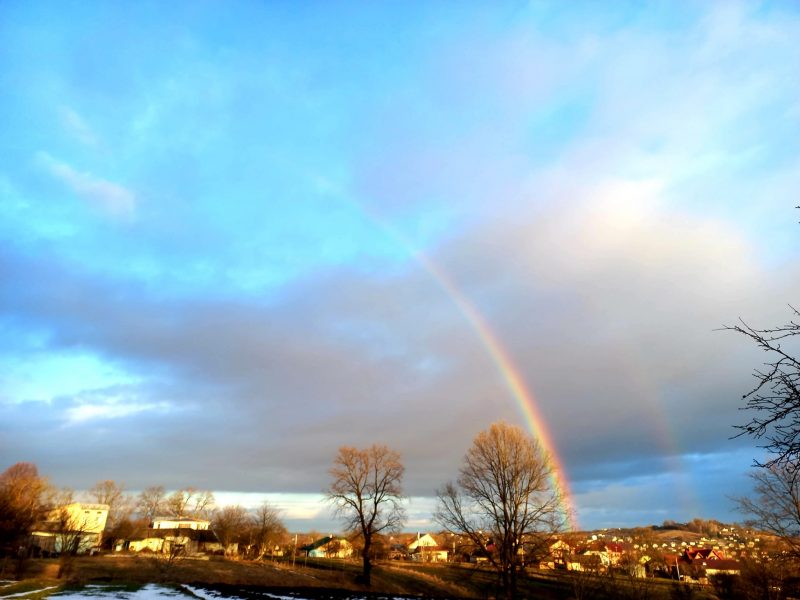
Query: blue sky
(211, 218)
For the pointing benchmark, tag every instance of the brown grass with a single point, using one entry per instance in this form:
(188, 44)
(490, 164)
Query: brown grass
(314, 574)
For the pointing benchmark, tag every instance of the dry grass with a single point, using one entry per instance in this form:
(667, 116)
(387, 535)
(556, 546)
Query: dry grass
(319, 574)
(319, 578)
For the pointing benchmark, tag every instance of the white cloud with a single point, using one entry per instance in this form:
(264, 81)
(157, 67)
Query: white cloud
(113, 409)
(77, 126)
(112, 198)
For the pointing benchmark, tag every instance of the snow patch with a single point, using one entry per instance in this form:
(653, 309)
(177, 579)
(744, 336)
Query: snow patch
(205, 594)
(150, 591)
(29, 592)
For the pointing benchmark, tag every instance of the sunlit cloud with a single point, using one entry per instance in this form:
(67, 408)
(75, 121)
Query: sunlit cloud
(112, 410)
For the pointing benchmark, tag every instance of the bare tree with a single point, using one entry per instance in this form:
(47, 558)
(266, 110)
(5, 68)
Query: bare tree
(151, 502)
(776, 506)
(119, 504)
(120, 510)
(230, 524)
(190, 502)
(775, 399)
(367, 494)
(267, 527)
(202, 503)
(178, 502)
(503, 501)
(109, 492)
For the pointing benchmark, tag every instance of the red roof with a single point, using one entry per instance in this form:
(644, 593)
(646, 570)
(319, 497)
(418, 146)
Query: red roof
(724, 564)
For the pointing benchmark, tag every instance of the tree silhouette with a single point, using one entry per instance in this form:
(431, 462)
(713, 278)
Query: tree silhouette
(503, 501)
(367, 493)
(775, 399)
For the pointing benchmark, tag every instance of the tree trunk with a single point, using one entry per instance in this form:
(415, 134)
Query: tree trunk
(511, 584)
(367, 564)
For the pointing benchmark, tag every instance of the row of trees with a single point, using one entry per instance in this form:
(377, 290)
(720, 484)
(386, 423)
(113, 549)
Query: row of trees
(503, 500)
(26, 499)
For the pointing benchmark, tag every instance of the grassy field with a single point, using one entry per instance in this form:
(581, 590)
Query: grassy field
(319, 577)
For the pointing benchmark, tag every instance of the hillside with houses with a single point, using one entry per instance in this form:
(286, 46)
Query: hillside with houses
(672, 551)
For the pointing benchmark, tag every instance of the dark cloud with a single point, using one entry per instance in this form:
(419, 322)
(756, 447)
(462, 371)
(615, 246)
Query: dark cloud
(307, 243)
(257, 395)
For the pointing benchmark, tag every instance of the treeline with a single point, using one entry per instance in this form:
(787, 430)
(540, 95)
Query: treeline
(28, 499)
(710, 527)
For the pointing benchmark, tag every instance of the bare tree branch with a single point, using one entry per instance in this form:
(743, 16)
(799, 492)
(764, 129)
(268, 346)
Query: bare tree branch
(775, 399)
(776, 506)
(503, 502)
(366, 493)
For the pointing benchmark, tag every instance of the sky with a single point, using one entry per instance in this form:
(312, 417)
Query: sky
(235, 236)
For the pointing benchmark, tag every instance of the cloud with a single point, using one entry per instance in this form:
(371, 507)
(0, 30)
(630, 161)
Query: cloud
(77, 126)
(606, 195)
(111, 198)
(348, 348)
(110, 408)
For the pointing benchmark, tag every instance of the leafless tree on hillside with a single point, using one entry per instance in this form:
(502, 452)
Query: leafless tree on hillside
(367, 494)
(503, 501)
(776, 506)
(230, 524)
(268, 529)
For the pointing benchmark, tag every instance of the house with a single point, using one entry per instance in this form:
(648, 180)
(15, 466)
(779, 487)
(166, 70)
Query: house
(692, 554)
(723, 566)
(704, 562)
(615, 551)
(174, 534)
(184, 540)
(426, 549)
(180, 523)
(76, 527)
(559, 556)
(329, 547)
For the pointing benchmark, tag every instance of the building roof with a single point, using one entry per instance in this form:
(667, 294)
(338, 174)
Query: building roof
(197, 535)
(724, 564)
(322, 542)
(181, 519)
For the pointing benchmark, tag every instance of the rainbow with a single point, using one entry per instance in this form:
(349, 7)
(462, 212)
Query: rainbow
(513, 380)
(500, 357)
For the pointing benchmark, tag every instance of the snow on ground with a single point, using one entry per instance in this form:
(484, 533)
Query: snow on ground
(205, 594)
(29, 592)
(150, 591)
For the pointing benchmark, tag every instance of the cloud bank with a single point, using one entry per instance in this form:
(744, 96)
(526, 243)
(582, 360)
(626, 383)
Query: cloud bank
(284, 269)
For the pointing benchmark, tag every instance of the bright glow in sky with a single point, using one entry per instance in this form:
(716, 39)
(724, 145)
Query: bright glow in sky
(212, 217)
